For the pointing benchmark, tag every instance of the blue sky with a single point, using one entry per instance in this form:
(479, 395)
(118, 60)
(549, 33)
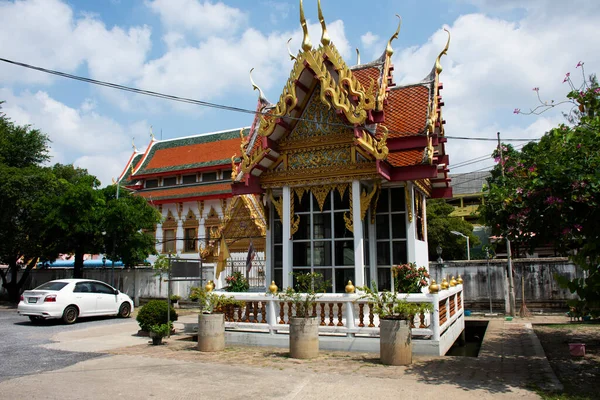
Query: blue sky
(201, 49)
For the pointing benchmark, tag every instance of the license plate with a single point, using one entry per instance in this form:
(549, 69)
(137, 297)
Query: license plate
(32, 300)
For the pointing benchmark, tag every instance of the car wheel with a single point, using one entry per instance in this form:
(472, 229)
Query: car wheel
(35, 319)
(70, 314)
(125, 310)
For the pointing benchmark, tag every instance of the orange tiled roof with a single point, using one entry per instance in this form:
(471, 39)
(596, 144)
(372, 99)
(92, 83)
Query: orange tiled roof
(405, 158)
(364, 76)
(191, 152)
(174, 192)
(406, 110)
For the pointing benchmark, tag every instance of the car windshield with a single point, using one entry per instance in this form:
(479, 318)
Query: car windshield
(51, 286)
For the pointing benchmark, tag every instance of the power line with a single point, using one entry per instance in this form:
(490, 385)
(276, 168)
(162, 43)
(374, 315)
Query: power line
(209, 104)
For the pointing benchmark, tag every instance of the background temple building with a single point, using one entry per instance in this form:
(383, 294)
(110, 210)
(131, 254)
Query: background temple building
(331, 178)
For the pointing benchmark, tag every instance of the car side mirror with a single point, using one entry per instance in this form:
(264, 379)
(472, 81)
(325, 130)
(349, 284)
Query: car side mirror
(116, 291)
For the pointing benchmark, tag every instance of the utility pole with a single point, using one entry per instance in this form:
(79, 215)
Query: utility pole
(511, 283)
(112, 270)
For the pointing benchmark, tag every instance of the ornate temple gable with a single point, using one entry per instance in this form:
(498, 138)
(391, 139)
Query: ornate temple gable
(245, 221)
(170, 222)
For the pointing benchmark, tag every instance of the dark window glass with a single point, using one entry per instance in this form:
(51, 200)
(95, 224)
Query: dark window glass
(383, 226)
(398, 226)
(384, 281)
(278, 256)
(151, 183)
(342, 276)
(368, 276)
(301, 254)
(344, 253)
(102, 288)
(83, 287)
(170, 181)
(227, 174)
(366, 252)
(322, 226)
(340, 226)
(169, 241)
(322, 254)
(189, 179)
(398, 203)
(302, 205)
(303, 231)
(327, 275)
(399, 252)
(339, 203)
(278, 277)
(209, 176)
(51, 286)
(191, 238)
(383, 253)
(383, 204)
(277, 232)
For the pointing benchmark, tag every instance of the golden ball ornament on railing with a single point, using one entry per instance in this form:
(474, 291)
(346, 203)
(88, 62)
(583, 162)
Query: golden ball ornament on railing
(350, 287)
(459, 280)
(273, 287)
(209, 286)
(453, 282)
(434, 287)
(444, 284)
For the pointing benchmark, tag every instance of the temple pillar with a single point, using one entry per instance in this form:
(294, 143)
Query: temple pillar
(268, 256)
(372, 253)
(359, 252)
(411, 227)
(287, 238)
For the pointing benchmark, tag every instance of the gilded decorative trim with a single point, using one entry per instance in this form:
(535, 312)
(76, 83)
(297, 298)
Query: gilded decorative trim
(278, 205)
(375, 146)
(408, 201)
(200, 208)
(424, 185)
(374, 204)
(294, 219)
(179, 210)
(382, 91)
(349, 220)
(433, 107)
(365, 200)
(300, 192)
(306, 44)
(170, 222)
(190, 220)
(321, 193)
(341, 188)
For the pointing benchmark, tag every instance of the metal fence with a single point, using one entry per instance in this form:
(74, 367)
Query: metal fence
(256, 274)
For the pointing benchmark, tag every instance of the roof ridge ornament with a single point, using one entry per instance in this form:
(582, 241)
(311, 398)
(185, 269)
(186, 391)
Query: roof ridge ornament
(325, 39)
(438, 65)
(133, 144)
(261, 95)
(152, 138)
(292, 56)
(388, 50)
(357, 56)
(306, 44)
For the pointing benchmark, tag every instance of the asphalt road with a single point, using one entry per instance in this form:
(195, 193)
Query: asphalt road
(21, 352)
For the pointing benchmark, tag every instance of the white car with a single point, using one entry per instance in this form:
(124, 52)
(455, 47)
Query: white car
(70, 299)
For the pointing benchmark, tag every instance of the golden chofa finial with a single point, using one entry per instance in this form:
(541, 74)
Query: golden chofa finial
(261, 95)
(438, 66)
(325, 39)
(133, 144)
(151, 134)
(388, 50)
(293, 57)
(357, 57)
(306, 44)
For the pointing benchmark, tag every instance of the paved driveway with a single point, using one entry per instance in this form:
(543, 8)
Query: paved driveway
(22, 350)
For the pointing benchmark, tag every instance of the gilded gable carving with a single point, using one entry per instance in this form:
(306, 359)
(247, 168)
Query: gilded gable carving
(170, 222)
(190, 220)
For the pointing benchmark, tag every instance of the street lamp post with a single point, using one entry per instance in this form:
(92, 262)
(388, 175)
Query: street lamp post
(466, 237)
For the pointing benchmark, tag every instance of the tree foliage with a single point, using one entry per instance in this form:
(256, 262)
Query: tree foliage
(439, 226)
(551, 191)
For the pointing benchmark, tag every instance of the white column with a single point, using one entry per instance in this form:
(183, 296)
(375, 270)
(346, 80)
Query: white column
(359, 252)
(372, 253)
(411, 227)
(269, 252)
(287, 239)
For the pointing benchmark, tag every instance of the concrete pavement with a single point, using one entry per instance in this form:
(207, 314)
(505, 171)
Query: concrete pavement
(510, 360)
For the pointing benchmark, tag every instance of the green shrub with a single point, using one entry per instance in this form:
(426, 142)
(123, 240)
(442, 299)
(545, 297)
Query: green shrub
(161, 330)
(154, 313)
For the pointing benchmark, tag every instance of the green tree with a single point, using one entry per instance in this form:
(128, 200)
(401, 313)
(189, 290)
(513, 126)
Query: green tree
(439, 226)
(550, 191)
(24, 189)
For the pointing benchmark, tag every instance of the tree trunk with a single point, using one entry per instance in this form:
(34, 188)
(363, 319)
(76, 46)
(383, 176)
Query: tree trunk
(78, 266)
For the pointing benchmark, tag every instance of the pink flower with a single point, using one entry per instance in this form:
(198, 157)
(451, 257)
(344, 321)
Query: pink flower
(566, 231)
(519, 190)
(517, 111)
(597, 90)
(567, 77)
(578, 146)
(532, 168)
(578, 227)
(579, 64)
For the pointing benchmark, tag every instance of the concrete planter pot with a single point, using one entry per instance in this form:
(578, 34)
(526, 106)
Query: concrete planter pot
(211, 332)
(304, 337)
(395, 346)
(156, 339)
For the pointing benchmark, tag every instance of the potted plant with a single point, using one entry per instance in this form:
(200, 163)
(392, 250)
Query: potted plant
(154, 313)
(304, 327)
(158, 331)
(211, 320)
(395, 346)
(236, 282)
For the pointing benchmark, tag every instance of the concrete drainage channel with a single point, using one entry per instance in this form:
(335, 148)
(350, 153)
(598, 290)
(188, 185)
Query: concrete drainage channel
(474, 333)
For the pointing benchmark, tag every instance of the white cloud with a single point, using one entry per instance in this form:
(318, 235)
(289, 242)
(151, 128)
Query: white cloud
(202, 18)
(368, 39)
(491, 67)
(53, 38)
(78, 136)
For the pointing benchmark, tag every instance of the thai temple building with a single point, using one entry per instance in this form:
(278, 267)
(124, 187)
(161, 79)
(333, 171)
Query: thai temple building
(332, 178)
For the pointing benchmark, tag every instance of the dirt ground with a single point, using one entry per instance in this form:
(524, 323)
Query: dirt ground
(579, 375)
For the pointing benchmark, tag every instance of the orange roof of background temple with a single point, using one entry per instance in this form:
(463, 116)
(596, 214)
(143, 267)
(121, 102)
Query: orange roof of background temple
(406, 110)
(183, 192)
(191, 152)
(405, 158)
(364, 75)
